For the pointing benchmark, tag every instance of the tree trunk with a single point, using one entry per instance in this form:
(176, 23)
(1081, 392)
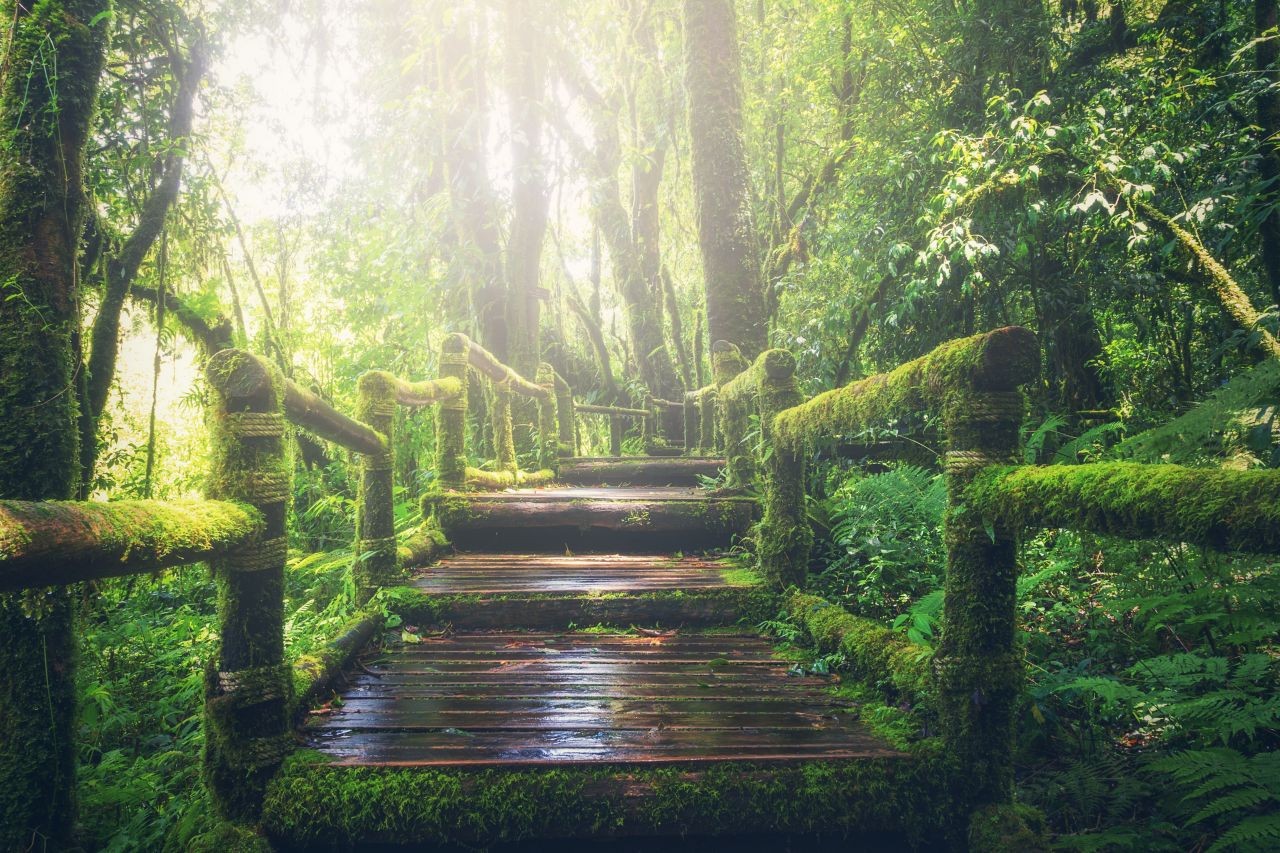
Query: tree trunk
(475, 215)
(123, 268)
(526, 86)
(41, 219)
(721, 182)
(1265, 56)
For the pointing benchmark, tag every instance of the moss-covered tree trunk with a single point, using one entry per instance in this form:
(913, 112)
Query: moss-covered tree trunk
(721, 182)
(1267, 51)
(53, 62)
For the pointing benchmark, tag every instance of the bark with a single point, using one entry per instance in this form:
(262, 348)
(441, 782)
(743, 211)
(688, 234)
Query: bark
(632, 238)
(43, 132)
(474, 209)
(210, 335)
(123, 268)
(721, 182)
(677, 329)
(1265, 56)
(526, 86)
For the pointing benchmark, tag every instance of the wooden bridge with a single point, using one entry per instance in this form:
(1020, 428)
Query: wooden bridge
(585, 664)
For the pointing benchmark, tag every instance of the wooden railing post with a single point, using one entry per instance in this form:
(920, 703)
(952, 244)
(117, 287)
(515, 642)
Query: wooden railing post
(785, 537)
(565, 417)
(977, 668)
(615, 435)
(548, 423)
(692, 425)
(451, 421)
(247, 733)
(708, 435)
(376, 561)
(504, 441)
(726, 363)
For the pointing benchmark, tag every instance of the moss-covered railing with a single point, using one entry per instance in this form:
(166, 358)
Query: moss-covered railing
(462, 363)
(971, 386)
(251, 690)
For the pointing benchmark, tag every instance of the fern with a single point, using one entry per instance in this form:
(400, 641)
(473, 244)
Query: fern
(1229, 796)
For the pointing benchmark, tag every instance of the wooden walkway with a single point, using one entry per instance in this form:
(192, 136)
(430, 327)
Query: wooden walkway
(542, 698)
(504, 687)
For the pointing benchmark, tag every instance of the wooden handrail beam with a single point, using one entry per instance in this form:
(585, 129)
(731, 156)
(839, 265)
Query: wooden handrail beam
(59, 542)
(613, 411)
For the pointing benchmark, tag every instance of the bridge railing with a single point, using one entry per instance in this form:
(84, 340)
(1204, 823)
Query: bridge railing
(972, 388)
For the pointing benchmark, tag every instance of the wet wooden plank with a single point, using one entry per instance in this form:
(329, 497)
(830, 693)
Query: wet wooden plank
(548, 574)
(517, 698)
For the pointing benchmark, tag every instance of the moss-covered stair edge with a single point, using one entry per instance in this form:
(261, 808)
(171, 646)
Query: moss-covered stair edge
(746, 605)
(313, 804)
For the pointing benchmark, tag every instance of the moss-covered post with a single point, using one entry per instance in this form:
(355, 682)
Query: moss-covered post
(785, 537)
(564, 417)
(504, 442)
(726, 363)
(708, 435)
(977, 669)
(615, 435)
(247, 694)
(451, 422)
(692, 426)
(376, 564)
(548, 424)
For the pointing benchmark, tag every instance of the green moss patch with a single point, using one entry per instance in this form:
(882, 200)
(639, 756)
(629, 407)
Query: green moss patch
(1221, 509)
(312, 804)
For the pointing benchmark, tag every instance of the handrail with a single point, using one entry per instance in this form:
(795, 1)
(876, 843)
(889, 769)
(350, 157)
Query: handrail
(613, 411)
(60, 542)
(247, 374)
(488, 364)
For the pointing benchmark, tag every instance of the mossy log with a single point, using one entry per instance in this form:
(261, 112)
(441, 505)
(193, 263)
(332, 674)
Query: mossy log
(1227, 510)
(613, 411)
(674, 471)
(497, 480)
(313, 673)
(875, 654)
(783, 537)
(937, 383)
(422, 546)
(61, 542)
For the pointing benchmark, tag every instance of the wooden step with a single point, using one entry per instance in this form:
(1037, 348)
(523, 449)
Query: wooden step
(541, 591)
(582, 518)
(638, 470)
(530, 724)
(558, 735)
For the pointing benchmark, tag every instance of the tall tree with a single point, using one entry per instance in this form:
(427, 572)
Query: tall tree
(475, 216)
(1266, 53)
(122, 266)
(47, 97)
(721, 182)
(526, 88)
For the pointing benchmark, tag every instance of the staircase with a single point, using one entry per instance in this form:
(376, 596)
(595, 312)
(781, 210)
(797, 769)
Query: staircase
(588, 669)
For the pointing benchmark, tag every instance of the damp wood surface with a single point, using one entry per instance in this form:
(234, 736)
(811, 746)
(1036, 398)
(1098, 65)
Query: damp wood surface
(585, 573)
(532, 698)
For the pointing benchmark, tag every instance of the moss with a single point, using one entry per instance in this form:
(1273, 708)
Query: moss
(550, 433)
(376, 561)
(313, 672)
(741, 577)
(43, 129)
(313, 804)
(1214, 507)
(451, 421)
(939, 382)
(247, 690)
(504, 442)
(64, 541)
(1009, 828)
(497, 480)
(875, 654)
(423, 545)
